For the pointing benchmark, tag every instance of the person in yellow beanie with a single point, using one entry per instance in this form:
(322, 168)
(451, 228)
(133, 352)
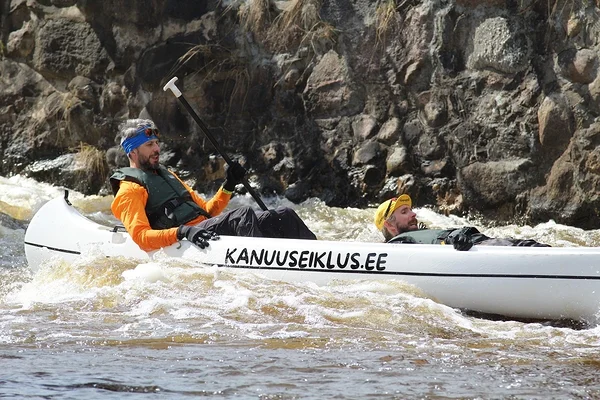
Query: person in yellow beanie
(398, 223)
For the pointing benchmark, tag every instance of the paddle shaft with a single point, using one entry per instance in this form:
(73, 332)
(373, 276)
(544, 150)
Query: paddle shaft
(171, 86)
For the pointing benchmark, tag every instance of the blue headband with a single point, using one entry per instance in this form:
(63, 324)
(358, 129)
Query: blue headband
(139, 139)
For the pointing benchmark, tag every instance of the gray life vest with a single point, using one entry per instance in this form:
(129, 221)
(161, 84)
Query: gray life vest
(439, 236)
(423, 236)
(169, 203)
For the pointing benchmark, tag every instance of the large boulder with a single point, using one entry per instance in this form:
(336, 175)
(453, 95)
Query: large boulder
(571, 194)
(500, 45)
(330, 90)
(489, 185)
(65, 48)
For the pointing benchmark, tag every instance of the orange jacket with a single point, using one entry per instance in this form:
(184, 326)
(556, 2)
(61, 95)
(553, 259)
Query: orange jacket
(129, 206)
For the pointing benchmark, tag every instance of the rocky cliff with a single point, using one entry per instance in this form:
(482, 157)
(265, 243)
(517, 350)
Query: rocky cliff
(483, 106)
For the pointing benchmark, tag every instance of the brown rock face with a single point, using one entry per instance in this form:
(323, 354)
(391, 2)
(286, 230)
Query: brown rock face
(555, 124)
(487, 106)
(579, 66)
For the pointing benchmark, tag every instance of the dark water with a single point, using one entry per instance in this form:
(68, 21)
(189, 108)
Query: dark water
(120, 329)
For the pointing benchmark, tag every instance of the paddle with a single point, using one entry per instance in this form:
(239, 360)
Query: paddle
(171, 86)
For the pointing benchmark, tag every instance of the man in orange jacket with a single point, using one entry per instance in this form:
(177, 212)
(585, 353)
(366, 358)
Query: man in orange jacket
(158, 209)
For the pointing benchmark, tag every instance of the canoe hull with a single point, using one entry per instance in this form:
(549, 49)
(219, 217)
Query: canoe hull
(518, 282)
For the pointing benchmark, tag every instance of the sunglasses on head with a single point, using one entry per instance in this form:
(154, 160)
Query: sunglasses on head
(149, 132)
(387, 210)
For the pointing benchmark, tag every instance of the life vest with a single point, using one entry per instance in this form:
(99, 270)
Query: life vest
(439, 236)
(169, 202)
(423, 236)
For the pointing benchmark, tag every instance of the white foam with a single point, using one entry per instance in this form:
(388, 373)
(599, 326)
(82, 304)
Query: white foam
(147, 272)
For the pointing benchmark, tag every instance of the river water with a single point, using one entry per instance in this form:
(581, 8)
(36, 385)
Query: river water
(115, 329)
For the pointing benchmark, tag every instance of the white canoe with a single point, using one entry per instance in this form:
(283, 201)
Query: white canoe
(518, 282)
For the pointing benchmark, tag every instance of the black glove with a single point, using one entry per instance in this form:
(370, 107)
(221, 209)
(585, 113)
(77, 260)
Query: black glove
(462, 242)
(196, 235)
(234, 174)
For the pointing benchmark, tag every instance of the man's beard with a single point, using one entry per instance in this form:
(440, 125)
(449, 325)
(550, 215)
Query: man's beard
(146, 165)
(411, 225)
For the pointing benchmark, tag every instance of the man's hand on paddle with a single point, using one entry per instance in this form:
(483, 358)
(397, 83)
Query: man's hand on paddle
(196, 235)
(234, 175)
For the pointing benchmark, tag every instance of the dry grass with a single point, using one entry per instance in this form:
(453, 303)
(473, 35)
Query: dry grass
(296, 25)
(202, 51)
(53, 114)
(241, 78)
(91, 159)
(255, 16)
(320, 38)
(217, 64)
(385, 15)
(69, 102)
(299, 26)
